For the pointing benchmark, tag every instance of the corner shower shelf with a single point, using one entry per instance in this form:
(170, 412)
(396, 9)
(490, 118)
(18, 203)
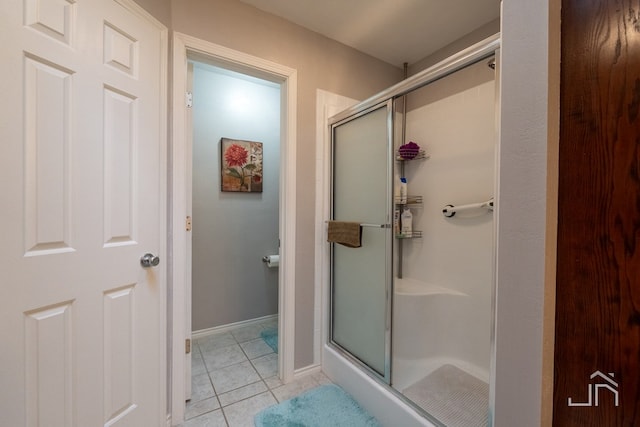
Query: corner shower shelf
(422, 155)
(415, 234)
(413, 201)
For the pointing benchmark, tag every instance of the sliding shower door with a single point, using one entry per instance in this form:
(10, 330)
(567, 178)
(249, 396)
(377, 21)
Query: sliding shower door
(361, 277)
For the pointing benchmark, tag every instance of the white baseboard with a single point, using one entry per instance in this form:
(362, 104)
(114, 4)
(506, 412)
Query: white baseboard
(230, 327)
(307, 370)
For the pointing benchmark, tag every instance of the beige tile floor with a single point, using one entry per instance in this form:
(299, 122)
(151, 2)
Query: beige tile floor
(234, 375)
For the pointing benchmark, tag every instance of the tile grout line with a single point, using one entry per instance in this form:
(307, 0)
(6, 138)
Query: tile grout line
(199, 350)
(215, 393)
(262, 379)
(253, 366)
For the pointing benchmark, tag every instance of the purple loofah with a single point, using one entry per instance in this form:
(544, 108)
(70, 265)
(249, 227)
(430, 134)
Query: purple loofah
(409, 151)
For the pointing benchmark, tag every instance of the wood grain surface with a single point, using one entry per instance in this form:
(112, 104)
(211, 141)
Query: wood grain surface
(598, 272)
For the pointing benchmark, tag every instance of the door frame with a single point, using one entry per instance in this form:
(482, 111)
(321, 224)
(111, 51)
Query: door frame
(185, 46)
(383, 374)
(328, 104)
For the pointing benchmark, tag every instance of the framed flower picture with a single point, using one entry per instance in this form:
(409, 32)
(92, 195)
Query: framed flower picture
(241, 165)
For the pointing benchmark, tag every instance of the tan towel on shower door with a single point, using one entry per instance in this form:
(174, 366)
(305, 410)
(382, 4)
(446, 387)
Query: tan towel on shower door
(345, 233)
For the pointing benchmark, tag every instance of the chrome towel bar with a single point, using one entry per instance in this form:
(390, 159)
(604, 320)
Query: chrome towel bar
(376, 225)
(365, 224)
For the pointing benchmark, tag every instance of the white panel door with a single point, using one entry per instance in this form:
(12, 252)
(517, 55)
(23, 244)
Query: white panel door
(82, 182)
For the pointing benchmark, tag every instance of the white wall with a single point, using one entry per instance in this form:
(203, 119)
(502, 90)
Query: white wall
(453, 119)
(233, 231)
(529, 106)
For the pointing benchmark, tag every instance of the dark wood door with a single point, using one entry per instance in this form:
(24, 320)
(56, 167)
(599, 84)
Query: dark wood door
(597, 344)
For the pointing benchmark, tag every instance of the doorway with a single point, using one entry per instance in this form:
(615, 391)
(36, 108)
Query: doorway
(235, 159)
(229, 62)
(234, 205)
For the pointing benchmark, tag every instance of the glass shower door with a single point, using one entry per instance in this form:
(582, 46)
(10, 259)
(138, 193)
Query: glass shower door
(361, 277)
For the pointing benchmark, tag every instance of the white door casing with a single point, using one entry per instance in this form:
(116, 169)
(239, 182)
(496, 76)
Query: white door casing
(184, 46)
(83, 183)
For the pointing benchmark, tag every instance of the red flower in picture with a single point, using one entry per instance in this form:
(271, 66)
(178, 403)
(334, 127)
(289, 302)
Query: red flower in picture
(241, 165)
(236, 155)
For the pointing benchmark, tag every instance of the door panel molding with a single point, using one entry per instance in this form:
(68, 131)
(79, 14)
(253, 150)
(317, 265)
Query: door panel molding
(57, 270)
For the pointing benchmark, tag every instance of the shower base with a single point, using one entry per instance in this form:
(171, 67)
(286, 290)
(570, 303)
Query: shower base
(452, 396)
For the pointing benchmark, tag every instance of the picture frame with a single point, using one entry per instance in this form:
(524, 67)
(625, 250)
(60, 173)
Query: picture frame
(241, 166)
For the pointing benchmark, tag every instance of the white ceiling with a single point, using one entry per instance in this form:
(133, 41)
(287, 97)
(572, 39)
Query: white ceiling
(395, 31)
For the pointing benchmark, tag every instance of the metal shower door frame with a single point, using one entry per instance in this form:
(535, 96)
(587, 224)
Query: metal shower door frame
(386, 375)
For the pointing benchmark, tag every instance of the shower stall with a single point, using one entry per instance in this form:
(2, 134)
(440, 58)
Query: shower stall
(413, 309)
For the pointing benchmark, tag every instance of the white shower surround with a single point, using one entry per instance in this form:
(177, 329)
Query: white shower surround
(521, 375)
(387, 405)
(433, 333)
(443, 305)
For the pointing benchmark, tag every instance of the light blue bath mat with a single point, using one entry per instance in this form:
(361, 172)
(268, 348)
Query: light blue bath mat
(324, 406)
(270, 336)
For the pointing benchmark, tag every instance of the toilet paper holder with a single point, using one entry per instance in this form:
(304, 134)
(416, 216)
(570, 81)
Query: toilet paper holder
(272, 261)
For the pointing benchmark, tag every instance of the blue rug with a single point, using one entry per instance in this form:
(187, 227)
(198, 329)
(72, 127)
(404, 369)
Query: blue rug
(325, 406)
(270, 336)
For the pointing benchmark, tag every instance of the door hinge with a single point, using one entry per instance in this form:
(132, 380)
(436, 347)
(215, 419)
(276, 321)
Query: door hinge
(187, 346)
(189, 224)
(189, 99)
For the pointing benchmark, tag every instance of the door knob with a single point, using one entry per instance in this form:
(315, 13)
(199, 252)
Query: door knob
(149, 260)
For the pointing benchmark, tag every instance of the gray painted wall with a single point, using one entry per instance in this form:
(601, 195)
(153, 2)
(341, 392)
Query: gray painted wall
(475, 36)
(321, 63)
(160, 9)
(232, 231)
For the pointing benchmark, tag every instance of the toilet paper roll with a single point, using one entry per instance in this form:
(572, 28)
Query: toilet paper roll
(273, 261)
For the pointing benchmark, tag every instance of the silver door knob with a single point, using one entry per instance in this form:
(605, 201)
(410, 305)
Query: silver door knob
(149, 260)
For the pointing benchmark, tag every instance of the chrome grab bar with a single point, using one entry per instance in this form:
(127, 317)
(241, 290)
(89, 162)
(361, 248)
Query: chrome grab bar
(450, 210)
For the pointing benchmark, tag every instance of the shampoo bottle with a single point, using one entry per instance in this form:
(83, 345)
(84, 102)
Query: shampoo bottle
(406, 220)
(403, 191)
